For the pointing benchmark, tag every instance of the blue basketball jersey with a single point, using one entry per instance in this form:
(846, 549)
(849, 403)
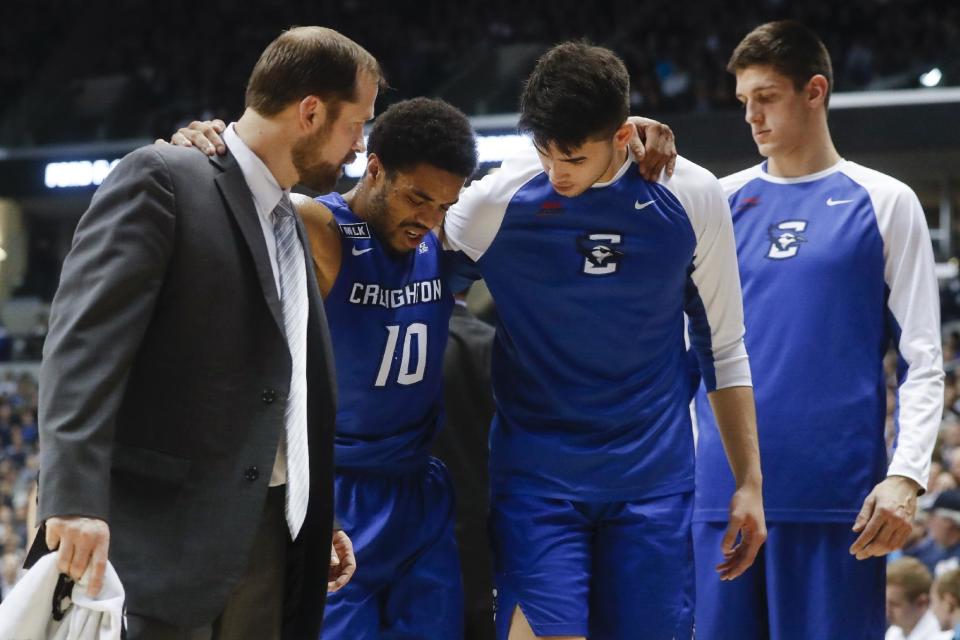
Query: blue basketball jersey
(833, 266)
(589, 368)
(388, 317)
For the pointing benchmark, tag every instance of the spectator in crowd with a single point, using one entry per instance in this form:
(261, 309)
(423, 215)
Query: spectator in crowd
(16, 451)
(18, 468)
(940, 551)
(9, 571)
(908, 601)
(28, 426)
(677, 64)
(6, 422)
(945, 603)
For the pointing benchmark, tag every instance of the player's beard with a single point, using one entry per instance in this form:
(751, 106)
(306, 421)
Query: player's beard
(314, 172)
(378, 217)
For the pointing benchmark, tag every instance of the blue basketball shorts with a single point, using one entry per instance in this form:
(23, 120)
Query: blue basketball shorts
(605, 570)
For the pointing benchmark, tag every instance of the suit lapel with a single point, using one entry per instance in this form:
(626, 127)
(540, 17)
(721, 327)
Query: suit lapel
(240, 203)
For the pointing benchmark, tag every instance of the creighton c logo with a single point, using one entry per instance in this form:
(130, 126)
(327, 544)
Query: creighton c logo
(786, 238)
(601, 253)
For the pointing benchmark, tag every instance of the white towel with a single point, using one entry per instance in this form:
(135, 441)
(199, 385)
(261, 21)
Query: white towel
(27, 612)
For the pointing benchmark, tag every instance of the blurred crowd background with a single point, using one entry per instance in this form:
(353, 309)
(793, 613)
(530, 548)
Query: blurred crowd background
(89, 78)
(78, 70)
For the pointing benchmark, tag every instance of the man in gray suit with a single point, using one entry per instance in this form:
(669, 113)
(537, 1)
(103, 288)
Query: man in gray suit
(187, 398)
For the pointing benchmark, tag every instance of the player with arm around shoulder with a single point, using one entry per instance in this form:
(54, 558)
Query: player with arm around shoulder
(379, 268)
(592, 268)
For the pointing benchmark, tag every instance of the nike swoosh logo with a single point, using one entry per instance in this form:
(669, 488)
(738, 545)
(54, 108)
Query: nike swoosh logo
(360, 252)
(832, 203)
(637, 205)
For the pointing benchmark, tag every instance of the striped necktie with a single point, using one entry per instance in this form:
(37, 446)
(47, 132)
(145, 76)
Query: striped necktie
(293, 298)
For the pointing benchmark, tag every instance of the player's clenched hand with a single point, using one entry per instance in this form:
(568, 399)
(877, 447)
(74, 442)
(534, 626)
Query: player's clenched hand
(886, 518)
(653, 147)
(342, 562)
(746, 522)
(205, 136)
(81, 542)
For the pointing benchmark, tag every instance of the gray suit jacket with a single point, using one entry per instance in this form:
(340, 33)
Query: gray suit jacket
(163, 385)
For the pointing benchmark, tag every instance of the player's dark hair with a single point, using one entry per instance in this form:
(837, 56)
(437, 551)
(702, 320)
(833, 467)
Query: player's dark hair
(577, 92)
(790, 48)
(424, 131)
(308, 61)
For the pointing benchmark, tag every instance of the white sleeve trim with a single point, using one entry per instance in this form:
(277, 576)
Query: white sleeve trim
(473, 222)
(914, 303)
(715, 270)
(735, 181)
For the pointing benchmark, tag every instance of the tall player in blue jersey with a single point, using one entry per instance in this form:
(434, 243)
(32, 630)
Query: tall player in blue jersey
(836, 264)
(388, 306)
(592, 268)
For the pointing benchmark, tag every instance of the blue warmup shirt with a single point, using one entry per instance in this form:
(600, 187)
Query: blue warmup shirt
(834, 266)
(589, 368)
(388, 316)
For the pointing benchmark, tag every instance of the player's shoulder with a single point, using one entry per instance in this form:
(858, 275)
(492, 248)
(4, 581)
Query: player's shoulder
(523, 160)
(472, 223)
(893, 202)
(691, 177)
(736, 181)
(167, 158)
(698, 192)
(694, 186)
(515, 171)
(311, 211)
(318, 219)
(687, 169)
(876, 183)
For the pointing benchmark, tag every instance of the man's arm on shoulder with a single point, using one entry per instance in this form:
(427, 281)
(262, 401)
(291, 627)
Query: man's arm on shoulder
(108, 290)
(324, 235)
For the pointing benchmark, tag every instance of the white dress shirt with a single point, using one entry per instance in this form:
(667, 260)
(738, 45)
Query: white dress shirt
(266, 193)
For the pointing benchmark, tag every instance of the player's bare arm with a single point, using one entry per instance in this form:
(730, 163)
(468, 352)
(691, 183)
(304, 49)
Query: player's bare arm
(324, 236)
(737, 422)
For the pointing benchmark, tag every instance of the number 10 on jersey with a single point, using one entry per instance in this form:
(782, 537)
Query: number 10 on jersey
(405, 376)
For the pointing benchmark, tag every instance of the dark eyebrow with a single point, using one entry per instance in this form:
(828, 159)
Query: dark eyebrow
(425, 196)
(574, 159)
(420, 194)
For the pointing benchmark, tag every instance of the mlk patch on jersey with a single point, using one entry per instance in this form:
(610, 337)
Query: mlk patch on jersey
(601, 252)
(357, 230)
(786, 238)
